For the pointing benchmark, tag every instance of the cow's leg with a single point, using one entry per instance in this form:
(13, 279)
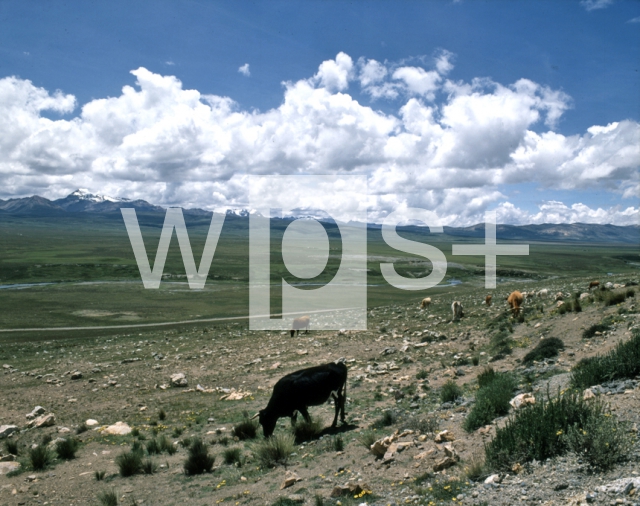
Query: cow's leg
(294, 417)
(305, 413)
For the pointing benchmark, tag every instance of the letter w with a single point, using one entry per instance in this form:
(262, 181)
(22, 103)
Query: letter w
(173, 219)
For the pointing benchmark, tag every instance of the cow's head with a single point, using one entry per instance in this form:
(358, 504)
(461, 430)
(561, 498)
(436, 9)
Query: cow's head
(268, 422)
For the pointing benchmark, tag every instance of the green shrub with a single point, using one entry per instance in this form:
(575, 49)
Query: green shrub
(450, 391)
(337, 443)
(602, 441)
(630, 292)
(575, 306)
(129, 463)
(475, 360)
(11, 446)
(388, 418)
(149, 467)
(177, 432)
(486, 376)
(563, 308)
(422, 374)
(40, 457)
(537, 431)
(546, 348)
(186, 442)
(246, 429)
(492, 401)
(232, 456)
(162, 415)
(614, 298)
(621, 362)
(274, 450)
(99, 475)
(108, 498)
(135, 432)
(199, 461)
(66, 448)
(304, 430)
(425, 425)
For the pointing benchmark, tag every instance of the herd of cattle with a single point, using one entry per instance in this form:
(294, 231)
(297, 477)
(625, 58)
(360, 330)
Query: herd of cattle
(295, 392)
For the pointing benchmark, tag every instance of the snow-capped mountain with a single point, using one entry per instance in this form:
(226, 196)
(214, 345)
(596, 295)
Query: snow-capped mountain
(84, 194)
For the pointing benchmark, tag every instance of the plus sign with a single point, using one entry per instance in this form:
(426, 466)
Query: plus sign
(490, 249)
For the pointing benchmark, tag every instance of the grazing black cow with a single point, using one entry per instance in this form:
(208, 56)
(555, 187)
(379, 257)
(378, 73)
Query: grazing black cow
(293, 393)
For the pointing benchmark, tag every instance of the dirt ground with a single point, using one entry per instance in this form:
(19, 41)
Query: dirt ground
(127, 378)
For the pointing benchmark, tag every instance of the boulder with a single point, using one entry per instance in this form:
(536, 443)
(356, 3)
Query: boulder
(522, 400)
(6, 430)
(43, 421)
(91, 422)
(444, 463)
(179, 380)
(494, 478)
(290, 478)
(350, 489)
(76, 375)
(37, 411)
(444, 436)
(117, 429)
(7, 467)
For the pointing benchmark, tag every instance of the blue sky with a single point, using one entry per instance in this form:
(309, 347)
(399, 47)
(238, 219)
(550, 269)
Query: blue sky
(586, 53)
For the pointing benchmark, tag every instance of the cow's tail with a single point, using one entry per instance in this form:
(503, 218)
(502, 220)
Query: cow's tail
(344, 395)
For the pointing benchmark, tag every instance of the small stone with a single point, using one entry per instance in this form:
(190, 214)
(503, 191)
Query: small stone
(444, 436)
(494, 478)
(43, 421)
(290, 478)
(91, 422)
(76, 375)
(522, 400)
(7, 467)
(444, 463)
(6, 430)
(38, 410)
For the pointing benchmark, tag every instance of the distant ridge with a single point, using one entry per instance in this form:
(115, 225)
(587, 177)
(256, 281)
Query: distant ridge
(83, 201)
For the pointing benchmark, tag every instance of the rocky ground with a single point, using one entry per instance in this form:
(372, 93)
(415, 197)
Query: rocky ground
(396, 371)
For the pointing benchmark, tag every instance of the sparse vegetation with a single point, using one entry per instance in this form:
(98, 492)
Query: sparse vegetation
(162, 415)
(275, 450)
(99, 475)
(427, 424)
(198, 461)
(304, 430)
(11, 446)
(149, 467)
(82, 428)
(539, 431)
(246, 429)
(422, 374)
(232, 456)
(367, 438)
(108, 498)
(40, 458)
(546, 348)
(450, 391)
(621, 362)
(66, 448)
(387, 419)
(129, 463)
(492, 399)
(474, 469)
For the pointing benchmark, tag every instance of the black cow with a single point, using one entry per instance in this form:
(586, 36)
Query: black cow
(293, 393)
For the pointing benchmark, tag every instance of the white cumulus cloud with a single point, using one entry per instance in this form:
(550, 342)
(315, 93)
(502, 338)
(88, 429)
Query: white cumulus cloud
(244, 70)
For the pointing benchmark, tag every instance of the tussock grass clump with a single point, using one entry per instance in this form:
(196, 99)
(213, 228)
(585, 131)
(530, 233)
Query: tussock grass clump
(614, 298)
(129, 463)
(475, 360)
(387, 419)
(177, 432)
(598, 327)
(274, 450)
(40, 458)
(367, 438)
(149, 467)
(66, 448)
(11, 446)
(232, 456)
(82, 428)
(630, 292)
(492, 400)
(621, 362)
(539, 431)
(246, 429)
(162, 414)
(546, 348)
(108, 498)
(152, 447)
(304, 430)
(475, 469)
(186, 442)
(486, 376)
(450, 391)
(199, 461)
(99, 475)
(165, 445)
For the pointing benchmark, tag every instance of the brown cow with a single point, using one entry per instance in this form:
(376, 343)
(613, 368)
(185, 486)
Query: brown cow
(425, 303)
(515, 302)
(594, 284)
(487, 300)
(300, 323)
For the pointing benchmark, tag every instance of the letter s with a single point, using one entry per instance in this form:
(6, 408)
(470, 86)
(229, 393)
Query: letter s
(432, 253)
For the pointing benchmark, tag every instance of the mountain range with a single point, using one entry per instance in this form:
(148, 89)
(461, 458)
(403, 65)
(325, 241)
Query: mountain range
(83, 201)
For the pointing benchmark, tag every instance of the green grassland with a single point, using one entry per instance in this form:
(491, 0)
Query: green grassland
(95, 280)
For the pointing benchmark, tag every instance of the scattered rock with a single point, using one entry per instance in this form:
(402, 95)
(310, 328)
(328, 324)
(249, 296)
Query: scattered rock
(91, 422)
(117, 429)
(37, 411)
(622, 486)
(522, 400)
(6, 430)
(588, 394)
(444, 436)
(7, 458)
(349, 489)
(76, 375)
(7, 467)
(179, 380)
(444, 463)
(493, 479)
(43, 421)
(290, 478)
